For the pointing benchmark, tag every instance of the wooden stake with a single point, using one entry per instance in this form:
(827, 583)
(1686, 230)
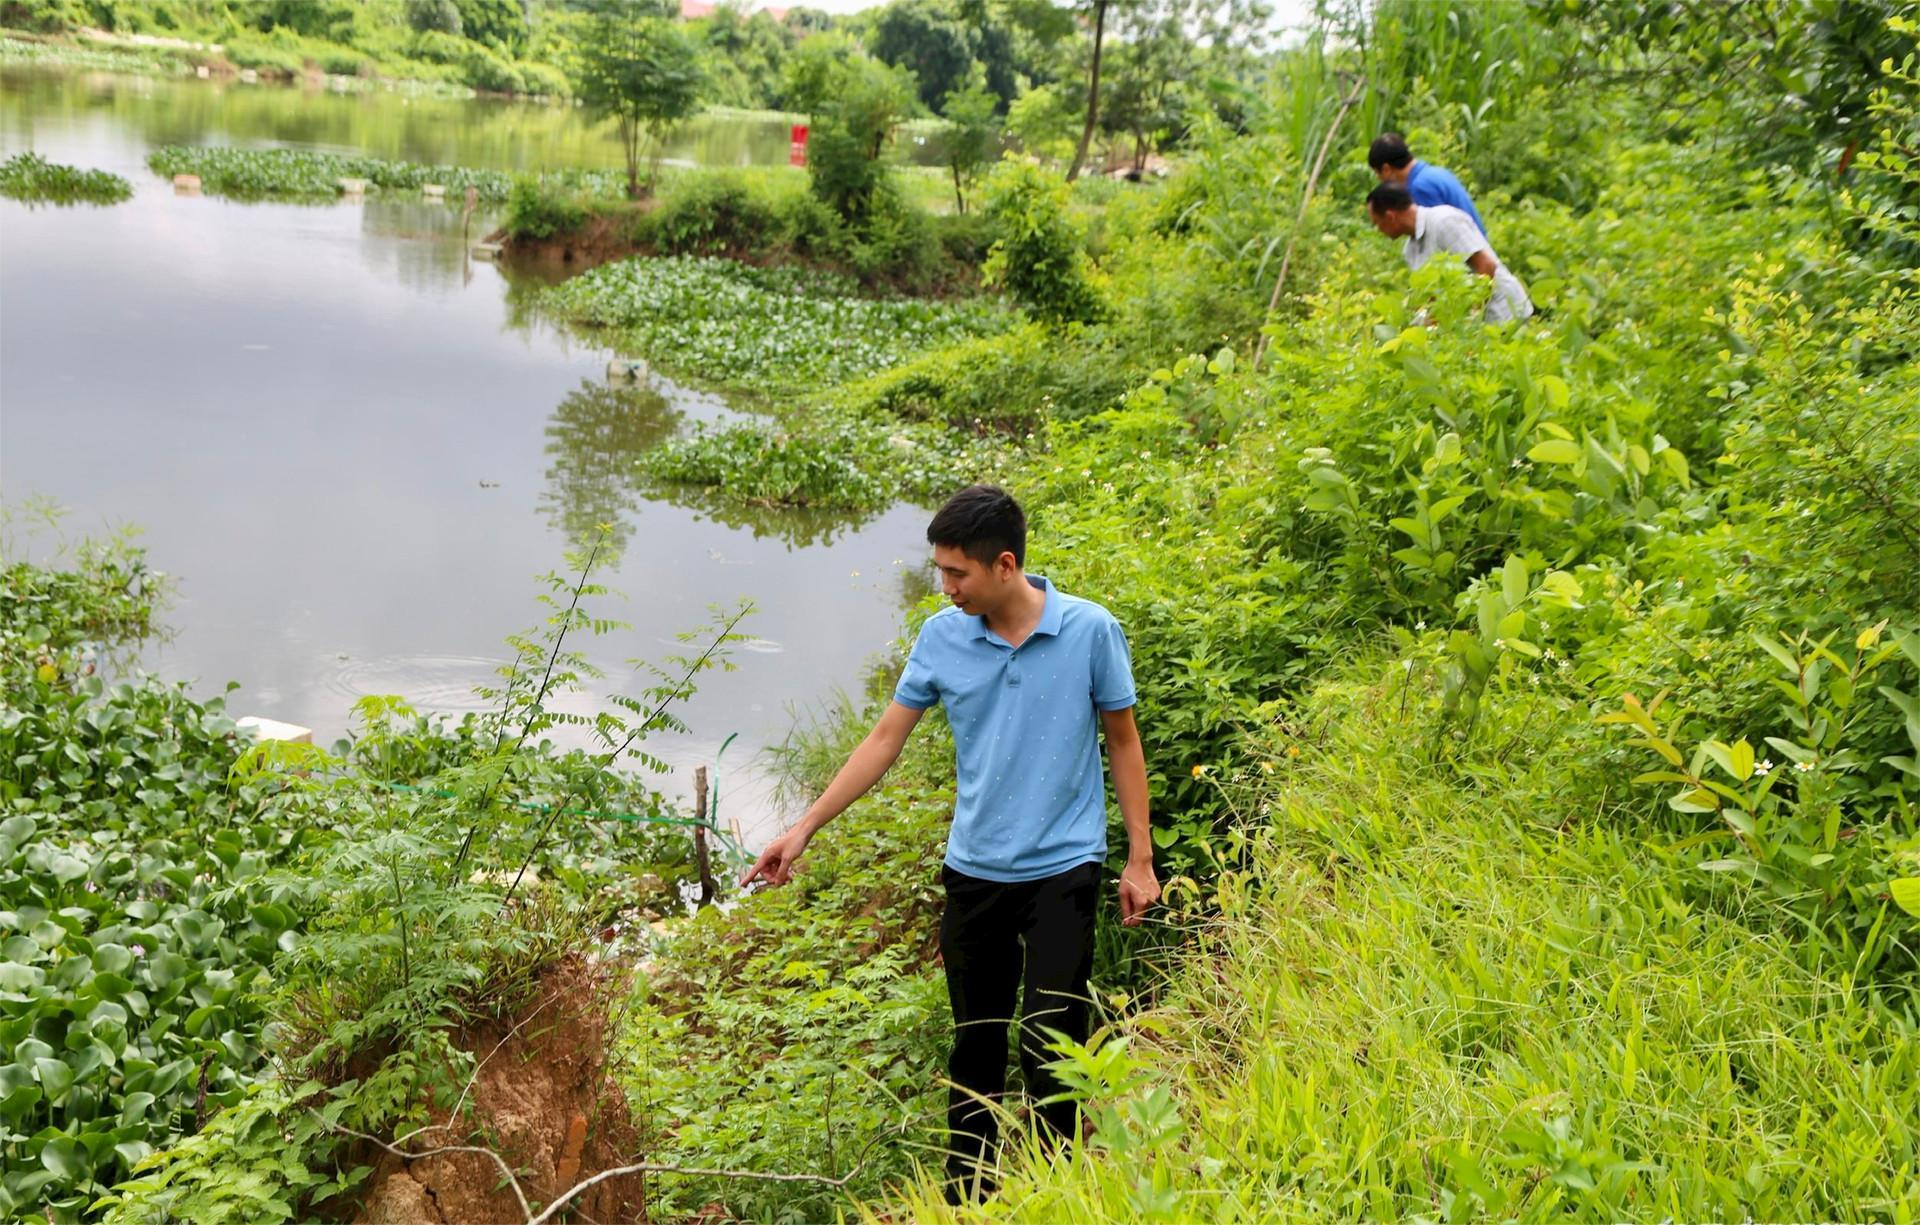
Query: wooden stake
(701, 855)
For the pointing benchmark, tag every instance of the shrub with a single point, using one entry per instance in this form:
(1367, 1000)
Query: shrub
(543, 80)
(489, 73)
(1037, 254)
(708, 214)
(535, 210)
(1010, 383)
(964, 237)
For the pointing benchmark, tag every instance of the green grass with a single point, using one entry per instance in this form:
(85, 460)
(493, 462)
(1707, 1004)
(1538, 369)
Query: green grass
(1429, 992)
(92, 58)
(34, 179)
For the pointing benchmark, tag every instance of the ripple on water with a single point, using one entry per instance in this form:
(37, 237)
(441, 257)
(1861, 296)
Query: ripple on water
(430, 682)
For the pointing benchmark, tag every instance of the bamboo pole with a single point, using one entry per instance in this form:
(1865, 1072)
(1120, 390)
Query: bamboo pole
(1299, 219)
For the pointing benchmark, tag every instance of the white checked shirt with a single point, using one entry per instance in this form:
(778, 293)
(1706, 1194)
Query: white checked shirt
(1442, 227)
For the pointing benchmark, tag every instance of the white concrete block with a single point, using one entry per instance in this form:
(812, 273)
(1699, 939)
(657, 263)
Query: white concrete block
(273, 729)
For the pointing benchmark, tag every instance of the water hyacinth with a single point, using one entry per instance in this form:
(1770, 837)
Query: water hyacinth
(34, 179)
(762, 329)
(305, 174)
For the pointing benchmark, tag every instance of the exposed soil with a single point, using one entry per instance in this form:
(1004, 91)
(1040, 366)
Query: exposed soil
(542, 1100)
(605, 237)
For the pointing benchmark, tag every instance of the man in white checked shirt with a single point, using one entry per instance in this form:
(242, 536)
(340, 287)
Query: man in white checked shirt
(1433, 228)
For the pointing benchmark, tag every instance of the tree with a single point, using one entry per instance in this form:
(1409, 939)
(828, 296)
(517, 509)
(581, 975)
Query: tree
(642, 73)
(919, 36)
(440, 16)
(974, 136)
(855, 102)
(1100, 8)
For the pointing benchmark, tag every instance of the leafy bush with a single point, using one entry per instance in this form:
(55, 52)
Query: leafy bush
(709, 214)
(831, 462)
(535, 210)
(1038, 254)
(820, 1006)
(1010, 383)
(30, 177)
(489, 73)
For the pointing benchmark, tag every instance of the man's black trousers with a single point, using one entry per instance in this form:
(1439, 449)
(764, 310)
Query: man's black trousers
(999, 940)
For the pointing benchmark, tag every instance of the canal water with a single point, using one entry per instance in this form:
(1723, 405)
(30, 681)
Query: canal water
(353, 448)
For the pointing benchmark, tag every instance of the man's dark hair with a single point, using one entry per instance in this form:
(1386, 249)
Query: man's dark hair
(1388, 149)
(982, 521)
(1387, 198)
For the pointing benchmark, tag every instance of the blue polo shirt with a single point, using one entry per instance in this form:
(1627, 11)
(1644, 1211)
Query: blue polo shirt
(1032, 801)
(1432, 185)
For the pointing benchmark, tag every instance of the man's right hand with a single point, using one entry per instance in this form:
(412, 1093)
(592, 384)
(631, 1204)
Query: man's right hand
(775, 865)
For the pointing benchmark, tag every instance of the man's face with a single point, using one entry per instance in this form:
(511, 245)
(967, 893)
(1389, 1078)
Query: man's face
(975, 588)
(1396, 175)
(1395, 224)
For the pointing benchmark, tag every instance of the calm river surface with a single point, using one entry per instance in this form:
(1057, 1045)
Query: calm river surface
(353, 453)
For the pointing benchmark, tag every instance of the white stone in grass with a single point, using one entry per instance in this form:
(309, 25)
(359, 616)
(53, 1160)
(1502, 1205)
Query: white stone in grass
(433, 191)
(353, 187)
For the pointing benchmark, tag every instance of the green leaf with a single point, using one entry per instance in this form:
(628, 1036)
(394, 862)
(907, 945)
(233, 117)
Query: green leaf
(1554, 451)
(1905, 893)
(65, 1159)
(1779, 650)
(1513, 581)
(55, 1076)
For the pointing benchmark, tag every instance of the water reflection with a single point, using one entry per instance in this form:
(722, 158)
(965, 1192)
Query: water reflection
(353, 455)
(379, 122)
(795, 527)
(594, 440)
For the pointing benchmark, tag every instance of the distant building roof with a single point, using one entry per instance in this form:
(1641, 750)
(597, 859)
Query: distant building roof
(694, 10)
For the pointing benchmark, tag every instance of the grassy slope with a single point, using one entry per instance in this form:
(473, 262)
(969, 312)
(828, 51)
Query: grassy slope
(1422, 997)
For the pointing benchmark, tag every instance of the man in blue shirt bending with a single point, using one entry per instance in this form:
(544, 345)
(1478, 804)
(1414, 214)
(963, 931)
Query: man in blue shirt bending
(1030, 678)
(1397, 167)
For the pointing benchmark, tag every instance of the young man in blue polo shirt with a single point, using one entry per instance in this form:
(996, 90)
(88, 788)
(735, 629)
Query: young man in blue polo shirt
(1395, 165)
(1030, 677)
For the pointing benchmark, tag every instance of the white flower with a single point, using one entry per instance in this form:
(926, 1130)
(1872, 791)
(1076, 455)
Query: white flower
(138, 950)
(1803, 766)
(1763, 767)
(1499, 644)
(1548, 654)
(1419, 625)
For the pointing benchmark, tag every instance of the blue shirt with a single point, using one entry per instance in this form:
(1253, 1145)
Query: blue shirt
(1031, 801)
(1432, 185)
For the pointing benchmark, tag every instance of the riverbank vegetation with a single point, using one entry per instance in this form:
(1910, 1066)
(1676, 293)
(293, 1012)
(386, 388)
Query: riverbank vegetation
(307, 175)
(1532, 712)
(35, 180)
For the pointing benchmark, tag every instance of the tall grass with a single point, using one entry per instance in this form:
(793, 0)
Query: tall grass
(1418, 996)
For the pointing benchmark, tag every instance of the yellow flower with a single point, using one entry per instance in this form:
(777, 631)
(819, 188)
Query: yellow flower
(1266, 767)
(1199, 771)
(1293, 750)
